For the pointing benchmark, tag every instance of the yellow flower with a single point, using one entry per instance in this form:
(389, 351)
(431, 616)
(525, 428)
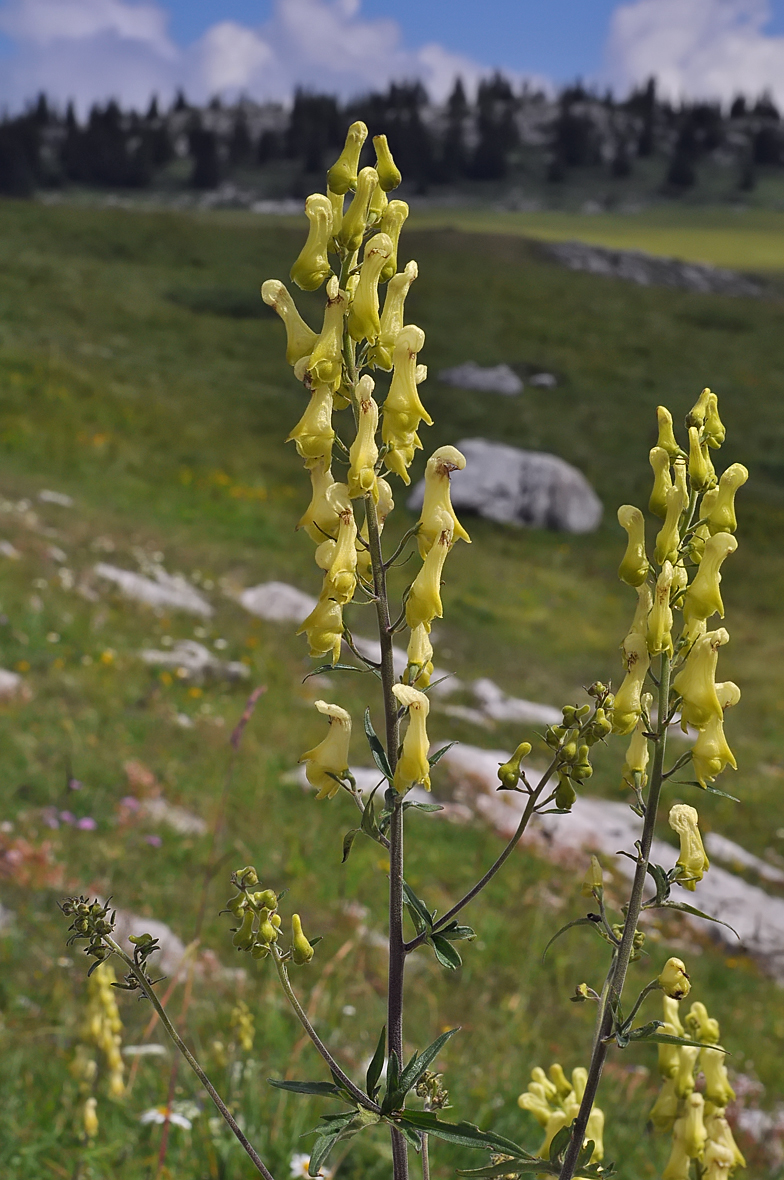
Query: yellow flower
(336, 200)
(662, 480)
(717, 1084)
(324, 626)
(420, 658)
(301, 950)
(695, 682)
(669, 1055)
(703, 598)
(593, 882)
(325, 364)
(638, 754)
(719, 1133)
(342, 176)
(721, 510)
(328, 761)
(692, 861)
(437, 511)
(424, 598)
(674, 979)
(363, 321)
(90, 1118)
(642, 611)
(627, 707)
(327, 501)
(718, 1162)
(312, 266)
(363, 454)
(701, 472)
(713, 427)
(668, 537)
(509, 772)
(388, 172)
(413, 767)
(665, 1109)
(391, 323)
(634, 568)
(667, 440)
(403, 411)
(711, 754)
(660, 619)
(702, 1027)
(300, 339)
(355, 218)
(313, 435)
(693, 1132)
(341, 579)
(391, 223)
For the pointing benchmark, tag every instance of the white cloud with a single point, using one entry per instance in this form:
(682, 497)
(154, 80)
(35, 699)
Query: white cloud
(697, 48)
(95, 49)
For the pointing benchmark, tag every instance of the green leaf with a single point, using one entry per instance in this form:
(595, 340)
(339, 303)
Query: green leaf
(667, 1039)
(393, 1071)
(710, 790)
(348, 840)
(376, 748)
(411, 1136)
(320, 1089)
(418, 907)
(464, 1134)
(439, 754)
(334, 668)
(457, 933)
(368, 823)
(568, 926)
(376, 1065)
(445, 952)
(560, 1142)
(660, 879)
(417, 1065)
(320, 1150)
(511, 1168)
(685, 908)
(423, 806)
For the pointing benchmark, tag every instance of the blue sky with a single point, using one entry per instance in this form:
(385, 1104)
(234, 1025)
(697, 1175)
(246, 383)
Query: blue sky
(95, 49)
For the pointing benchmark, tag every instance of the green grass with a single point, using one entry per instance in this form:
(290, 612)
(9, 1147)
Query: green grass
(130, 380)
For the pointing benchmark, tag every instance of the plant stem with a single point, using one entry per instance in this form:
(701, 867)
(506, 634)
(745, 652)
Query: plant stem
(149, 992)
(623, 954)
(345, 1080)
(397, 947)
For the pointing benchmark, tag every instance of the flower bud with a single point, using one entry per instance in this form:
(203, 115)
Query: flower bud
(668, 538)
(313, 435)
(634, 568)
(559, 1079)
(674, 980)
(627, 708)
(363, 454)
(695, 682)
(342, 176)
(388, 173)
(243, 937)
(660, 618)
(666, 438)
(90, 1117)
(710, 753)
(391, 323)
(330, 757)
(713, 427)
(378, 205)
(638, 754)
(703, 599)
(420, 658)
(325, 364)
(593, 881)
(301, 950)
(424, 598)
(699, 464)
(565, 793)
(509, 772)
(413, 767)
(355, 218)
(300, 339)
(324, 627)
(437, 511)
(363, 321)
(662, 481)
(687, 1063)
(312, 266)
(721, 514)
(697, 414)
(692, 861)
(391, 223)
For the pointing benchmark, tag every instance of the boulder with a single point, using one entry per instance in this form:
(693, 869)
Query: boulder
(493, 379)
(277, 602)
(517, 487)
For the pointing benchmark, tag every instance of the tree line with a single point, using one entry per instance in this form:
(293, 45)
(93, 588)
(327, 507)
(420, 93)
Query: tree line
(498, 134)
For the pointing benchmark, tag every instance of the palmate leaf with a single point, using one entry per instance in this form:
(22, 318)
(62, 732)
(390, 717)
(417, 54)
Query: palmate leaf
(377, 749)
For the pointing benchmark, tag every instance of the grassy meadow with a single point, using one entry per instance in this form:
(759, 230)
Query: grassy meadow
(140, 375)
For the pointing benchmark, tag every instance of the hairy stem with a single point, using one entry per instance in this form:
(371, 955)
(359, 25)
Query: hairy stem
(149, 992)
(397, 948)
(345, 1080)
(622, 957)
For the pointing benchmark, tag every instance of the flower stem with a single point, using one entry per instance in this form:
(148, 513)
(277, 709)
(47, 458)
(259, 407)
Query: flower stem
(620, 966)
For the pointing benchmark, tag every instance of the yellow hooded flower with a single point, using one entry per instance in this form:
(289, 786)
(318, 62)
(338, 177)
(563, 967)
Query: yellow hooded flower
(662, 480)
(403, 411)
(313, 435)
(697, 414)
(363, 321)
(391, 223)
(324, 626)
(713, 427)
(327, 501)
(642, 610)
(437, 511)
(312, 266)
(337, 201)
(633, 570)
(668, 538)
(711, 754)
(665, 1109)
(695, 682)
(363, 454)
(413, 767)
(301, 950)
(674, 980)
(627, 707)
(424, 598)
(693, 1131)
(700, 466)
(669, 1055)
(717, 1084)
(342, 176)
(719, 1134)
(638, 753)
(721, 513)
(660, 618)
(420, 658)
(718, 1162)
(666, 438)
(703, 598)
(692, 862)
(355, 218)
(90, 1117)
(384, 506)
(703, 1027)
(391, 323)
(328, 761)
(341, 579)
(300, 339)
(325, 364)
(388, 172)
(509, 773)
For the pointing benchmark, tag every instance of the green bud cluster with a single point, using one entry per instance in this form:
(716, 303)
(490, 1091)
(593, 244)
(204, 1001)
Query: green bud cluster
(91, 922)
(256, 910)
